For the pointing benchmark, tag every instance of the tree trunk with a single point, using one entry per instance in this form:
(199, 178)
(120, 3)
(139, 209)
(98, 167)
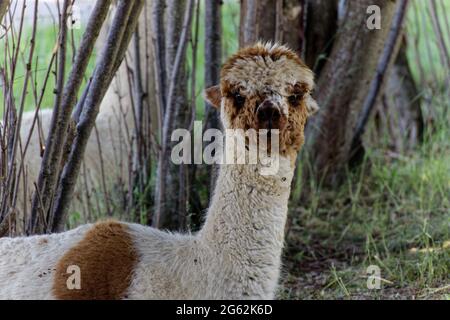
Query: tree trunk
(271, 20)
(342, 88)
(176, 113)
(213, 61)
(175, 210)
(322, 23)
(398, 120)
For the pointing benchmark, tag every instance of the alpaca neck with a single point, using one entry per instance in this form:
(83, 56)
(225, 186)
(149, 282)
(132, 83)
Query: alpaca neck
(245, 222)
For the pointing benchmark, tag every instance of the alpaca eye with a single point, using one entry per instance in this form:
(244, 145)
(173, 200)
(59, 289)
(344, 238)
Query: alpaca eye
(239, 100)
(294, 99)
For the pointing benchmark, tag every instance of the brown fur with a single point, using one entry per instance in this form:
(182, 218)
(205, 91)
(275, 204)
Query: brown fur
(291, 129)
(213, 96)
(293, 135)
(262, 51)
(106, 258)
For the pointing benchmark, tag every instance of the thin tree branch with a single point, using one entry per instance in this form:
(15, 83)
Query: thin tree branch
(213, 60)
(6, 224)
(125, 20)
(158, 45)
(168, 117)
(16, 127)
(57, 135)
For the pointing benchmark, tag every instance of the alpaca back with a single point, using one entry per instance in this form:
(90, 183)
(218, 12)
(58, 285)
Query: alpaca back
(27, 264)
(116, 261)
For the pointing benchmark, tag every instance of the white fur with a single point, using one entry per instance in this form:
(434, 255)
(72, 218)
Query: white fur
(27, 264)
(237, 253)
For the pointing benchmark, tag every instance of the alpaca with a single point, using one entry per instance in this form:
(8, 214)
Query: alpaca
(236, 254)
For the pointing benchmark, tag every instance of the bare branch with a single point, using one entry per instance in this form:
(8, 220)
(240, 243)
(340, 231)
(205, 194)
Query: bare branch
(16, 127)
(213, 55)
(6, 224)
(168, 117)
(60, 121)
(158, 46)
(123, 25)
(213, 61)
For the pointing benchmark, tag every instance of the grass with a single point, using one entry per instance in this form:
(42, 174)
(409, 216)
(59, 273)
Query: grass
(394, 213)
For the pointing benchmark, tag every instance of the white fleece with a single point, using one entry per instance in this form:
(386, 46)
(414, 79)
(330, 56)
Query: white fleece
(27, 264)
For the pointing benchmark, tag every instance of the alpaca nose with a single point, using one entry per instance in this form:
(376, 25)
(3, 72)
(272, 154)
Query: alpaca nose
(268, 115)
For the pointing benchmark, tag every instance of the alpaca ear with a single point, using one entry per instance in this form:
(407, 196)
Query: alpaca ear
(311, 106)
(213, 96)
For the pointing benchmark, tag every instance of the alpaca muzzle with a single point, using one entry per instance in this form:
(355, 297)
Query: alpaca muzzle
(269, 116)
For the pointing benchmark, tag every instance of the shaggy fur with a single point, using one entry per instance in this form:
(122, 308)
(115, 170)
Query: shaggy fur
(237, 253)
(28, 265)
(105, 256)
(266, 72)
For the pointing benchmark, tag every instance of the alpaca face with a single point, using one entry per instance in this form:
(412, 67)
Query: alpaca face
(266, 87)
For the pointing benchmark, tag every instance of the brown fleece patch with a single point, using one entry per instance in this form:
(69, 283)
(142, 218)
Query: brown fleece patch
(292, 138)
(106, 258)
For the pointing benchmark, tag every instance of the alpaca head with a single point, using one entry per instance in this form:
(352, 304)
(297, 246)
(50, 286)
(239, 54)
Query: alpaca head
(266, 87)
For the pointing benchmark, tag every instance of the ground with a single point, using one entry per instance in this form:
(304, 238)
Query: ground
(397, 217)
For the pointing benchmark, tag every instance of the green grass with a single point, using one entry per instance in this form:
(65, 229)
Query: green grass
(393, 215)
(421, 34)
(46, 39)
